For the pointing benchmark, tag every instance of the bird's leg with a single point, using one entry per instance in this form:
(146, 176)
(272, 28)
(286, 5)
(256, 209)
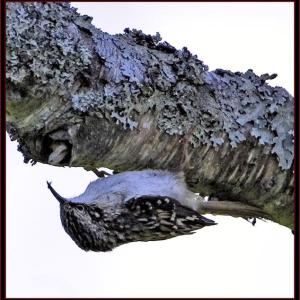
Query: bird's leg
(250, 220)
(101, 173)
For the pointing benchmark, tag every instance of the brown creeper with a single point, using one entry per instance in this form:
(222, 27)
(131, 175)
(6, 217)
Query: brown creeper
(132, 206)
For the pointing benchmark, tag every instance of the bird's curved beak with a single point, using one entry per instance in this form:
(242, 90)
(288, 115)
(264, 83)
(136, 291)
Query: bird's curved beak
(55, 194)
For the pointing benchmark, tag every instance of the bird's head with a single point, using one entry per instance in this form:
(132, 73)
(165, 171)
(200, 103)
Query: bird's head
(86, 224)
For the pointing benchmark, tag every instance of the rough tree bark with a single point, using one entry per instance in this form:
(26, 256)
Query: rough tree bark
(77, 96)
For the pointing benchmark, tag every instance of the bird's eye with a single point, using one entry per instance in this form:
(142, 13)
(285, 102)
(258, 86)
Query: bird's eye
(80, 207)
(67, 207)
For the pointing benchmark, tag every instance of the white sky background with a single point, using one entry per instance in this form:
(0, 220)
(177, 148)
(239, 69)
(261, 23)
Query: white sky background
(232, 259)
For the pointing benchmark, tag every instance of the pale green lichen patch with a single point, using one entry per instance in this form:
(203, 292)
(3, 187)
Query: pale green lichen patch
(21, 110)
(281, 210)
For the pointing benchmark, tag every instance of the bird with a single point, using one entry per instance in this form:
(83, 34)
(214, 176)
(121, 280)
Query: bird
(131, 206)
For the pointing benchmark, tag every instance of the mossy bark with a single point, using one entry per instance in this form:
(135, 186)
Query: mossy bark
(77, 96)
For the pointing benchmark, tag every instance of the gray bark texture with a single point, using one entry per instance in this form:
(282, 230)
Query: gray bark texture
(80, 97)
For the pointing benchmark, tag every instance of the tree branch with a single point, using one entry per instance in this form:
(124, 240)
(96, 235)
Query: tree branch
(77, 96)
